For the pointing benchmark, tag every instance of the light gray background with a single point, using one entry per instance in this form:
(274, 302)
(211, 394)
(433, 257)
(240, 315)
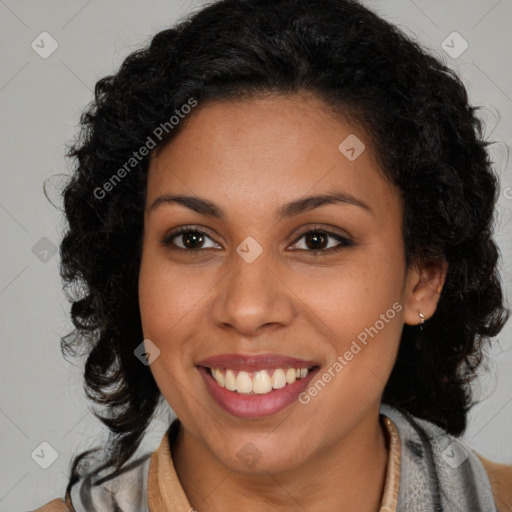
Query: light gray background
(41, 100)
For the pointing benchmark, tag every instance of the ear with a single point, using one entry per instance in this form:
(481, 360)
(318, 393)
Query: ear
(424, 284)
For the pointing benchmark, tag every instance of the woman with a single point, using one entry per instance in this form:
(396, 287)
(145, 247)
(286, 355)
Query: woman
(281, 222)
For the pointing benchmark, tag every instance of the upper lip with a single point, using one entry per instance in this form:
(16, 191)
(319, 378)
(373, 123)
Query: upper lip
(252, 362)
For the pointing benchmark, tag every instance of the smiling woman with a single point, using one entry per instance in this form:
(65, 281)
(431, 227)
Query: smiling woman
(303, 269)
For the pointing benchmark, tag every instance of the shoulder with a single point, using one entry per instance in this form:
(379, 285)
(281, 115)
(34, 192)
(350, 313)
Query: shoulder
(500, 476)
(456, 476)
(124, 490)
(56, 505)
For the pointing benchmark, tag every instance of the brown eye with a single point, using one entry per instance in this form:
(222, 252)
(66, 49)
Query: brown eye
(192, 239)
(187, 239)
(317, 242)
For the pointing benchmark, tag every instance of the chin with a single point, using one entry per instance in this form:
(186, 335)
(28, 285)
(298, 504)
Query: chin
(259, 456)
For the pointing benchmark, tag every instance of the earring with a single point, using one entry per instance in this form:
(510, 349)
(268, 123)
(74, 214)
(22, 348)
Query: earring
(417, 344)
(422, 316)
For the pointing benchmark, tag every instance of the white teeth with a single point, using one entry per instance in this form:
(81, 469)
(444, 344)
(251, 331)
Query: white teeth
(243, 382)
(230, 380)
(219, 377)
(258, 382)
(278, 379)
(290, 376)
(261, 382)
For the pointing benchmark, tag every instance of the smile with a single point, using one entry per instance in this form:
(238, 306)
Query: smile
(260, 382)
(255, 386)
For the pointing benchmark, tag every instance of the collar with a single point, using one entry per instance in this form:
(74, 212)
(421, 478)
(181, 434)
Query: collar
(165, 493)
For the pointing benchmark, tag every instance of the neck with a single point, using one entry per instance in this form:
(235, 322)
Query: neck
(349, 475)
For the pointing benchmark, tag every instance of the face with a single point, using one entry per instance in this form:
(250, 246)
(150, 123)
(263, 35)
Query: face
(247, 291)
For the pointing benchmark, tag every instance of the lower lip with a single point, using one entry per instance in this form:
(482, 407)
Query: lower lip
(255, 406)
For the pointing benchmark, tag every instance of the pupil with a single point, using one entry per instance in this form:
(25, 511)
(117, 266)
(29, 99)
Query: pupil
(195, 237)
(315, 237)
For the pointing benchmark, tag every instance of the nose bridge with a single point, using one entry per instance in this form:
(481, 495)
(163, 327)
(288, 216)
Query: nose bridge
(250, 270)
(252, 294)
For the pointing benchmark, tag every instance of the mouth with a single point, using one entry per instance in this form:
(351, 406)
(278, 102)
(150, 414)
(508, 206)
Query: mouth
(256, 386)
(259, 382)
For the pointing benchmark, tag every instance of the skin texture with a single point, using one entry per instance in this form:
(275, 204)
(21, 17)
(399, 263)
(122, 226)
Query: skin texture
(251, 157)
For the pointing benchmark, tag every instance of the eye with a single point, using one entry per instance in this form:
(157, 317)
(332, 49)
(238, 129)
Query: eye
(316, 241)
(192, 239)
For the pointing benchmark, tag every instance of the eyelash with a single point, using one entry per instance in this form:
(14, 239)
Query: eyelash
(344, 242)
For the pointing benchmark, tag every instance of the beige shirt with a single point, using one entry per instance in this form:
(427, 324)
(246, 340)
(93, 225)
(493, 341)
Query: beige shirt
(165, 493)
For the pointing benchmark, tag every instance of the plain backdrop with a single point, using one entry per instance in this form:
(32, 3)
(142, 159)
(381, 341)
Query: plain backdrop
(41, 100)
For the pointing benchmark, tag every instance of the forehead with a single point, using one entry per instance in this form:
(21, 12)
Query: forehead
(260, 152)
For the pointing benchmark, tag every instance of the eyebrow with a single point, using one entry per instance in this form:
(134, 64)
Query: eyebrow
(296, 207)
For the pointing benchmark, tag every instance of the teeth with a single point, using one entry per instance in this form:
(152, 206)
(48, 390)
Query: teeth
(230, 381)
(243, 383)
(279, 379)
(291, 375)
(259, 382)
(219, 377)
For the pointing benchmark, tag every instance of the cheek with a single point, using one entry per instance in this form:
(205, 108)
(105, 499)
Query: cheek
(163, 305)
(171, 299)
(167, 296)
(359, 308)
(353, 296)
(364, 330)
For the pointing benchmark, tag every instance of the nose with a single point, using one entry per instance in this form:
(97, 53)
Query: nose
(253, 297)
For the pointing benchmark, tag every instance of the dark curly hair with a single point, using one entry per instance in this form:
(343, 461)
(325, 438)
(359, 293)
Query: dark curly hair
(427, 138)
